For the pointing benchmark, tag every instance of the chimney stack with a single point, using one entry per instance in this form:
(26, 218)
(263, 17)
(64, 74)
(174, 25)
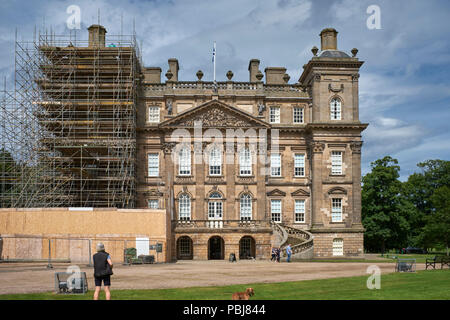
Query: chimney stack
(174, 67)
(253, 68)
(328, 38)
(97, 36)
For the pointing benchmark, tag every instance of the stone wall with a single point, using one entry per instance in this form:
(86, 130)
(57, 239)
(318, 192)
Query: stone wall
(26, 232)
(231, 243)
(353, 244)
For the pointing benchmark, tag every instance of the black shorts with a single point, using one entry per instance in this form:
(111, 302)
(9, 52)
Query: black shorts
(106, 281)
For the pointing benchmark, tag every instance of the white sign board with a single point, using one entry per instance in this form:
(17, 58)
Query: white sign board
(142, 246)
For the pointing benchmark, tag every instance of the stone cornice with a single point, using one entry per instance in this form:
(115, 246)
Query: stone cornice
(337, 126)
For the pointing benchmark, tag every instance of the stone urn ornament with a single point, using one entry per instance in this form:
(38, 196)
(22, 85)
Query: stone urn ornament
(259, 75)
(314, 50)
(199, 75)
(354, 52)
(286, 78)
(229, 75)
(169, 75)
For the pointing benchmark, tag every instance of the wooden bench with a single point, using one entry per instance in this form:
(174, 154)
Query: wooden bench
(443, 260)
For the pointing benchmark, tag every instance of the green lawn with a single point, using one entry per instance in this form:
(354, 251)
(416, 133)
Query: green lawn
(431, 284)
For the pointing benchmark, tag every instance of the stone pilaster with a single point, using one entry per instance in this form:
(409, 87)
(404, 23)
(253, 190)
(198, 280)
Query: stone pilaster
(199, 163)
(170, 210)
(230, 205)
(356, 179)
(316, 179)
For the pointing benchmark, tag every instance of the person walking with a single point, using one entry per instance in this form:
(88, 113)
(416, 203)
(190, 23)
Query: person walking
(274, 254)
(278, 254)
(289, 252)
(102, 271)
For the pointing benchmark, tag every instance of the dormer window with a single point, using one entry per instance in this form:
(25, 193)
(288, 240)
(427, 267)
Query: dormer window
(335, 109)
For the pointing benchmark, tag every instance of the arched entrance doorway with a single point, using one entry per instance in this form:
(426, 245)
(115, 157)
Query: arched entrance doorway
(247, 248)
(184, 248)
(216, 248)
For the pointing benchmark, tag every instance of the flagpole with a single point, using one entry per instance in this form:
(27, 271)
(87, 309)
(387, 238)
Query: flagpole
(214, 58)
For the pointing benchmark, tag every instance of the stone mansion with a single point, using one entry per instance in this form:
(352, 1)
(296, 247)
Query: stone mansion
(302, 186)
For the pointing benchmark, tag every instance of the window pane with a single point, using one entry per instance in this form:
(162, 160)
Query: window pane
(275, 208)
(275, 164)
(153, 204)
(153, 165)
(335, 109)
(336, 162)
(336, 210)
(153, 114)
(299, 210)
(299, 165)
(298, 115)
(185, 162)
(245, 162)
(215, 162)
(246, 207)
(185, 207)
(338, 247)
(274, 115)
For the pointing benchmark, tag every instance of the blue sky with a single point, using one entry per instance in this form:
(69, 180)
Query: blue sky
(404, 83)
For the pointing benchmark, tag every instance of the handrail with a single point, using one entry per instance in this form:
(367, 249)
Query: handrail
(280, 229)
(298, 233)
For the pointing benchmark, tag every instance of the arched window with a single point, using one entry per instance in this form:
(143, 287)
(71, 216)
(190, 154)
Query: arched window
(245, 162)
(215, 162)
(184, 162)
(335, 109)
(246, 207)
(215, 206)
(184, 207)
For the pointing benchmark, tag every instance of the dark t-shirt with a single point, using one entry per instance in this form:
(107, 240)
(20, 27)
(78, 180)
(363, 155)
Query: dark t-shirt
(100, 263)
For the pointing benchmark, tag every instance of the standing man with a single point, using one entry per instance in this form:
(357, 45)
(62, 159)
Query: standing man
(289, 252)
(102, 271)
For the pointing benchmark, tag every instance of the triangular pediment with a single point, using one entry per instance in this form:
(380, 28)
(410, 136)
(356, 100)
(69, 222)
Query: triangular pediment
(300, 192)
(276, 192)
(214, 114)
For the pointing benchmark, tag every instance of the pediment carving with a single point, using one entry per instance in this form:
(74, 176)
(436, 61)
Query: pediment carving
(214, 114)
(276, 192)
(300, 192)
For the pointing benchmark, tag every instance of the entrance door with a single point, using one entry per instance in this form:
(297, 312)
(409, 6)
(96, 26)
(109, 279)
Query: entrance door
(247, 248)
(216, 248)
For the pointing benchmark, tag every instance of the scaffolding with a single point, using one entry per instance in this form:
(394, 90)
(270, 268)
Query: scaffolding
(68, 129)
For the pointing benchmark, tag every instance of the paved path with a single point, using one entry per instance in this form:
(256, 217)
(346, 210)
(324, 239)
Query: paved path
(34, 277)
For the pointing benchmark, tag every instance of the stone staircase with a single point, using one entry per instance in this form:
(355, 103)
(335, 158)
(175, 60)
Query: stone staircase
(301, 241)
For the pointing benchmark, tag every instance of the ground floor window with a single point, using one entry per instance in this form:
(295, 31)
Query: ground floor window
(247, 248)
(338, 247)
(185, 248)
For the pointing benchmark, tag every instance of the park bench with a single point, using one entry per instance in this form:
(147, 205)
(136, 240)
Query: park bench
(443, 260)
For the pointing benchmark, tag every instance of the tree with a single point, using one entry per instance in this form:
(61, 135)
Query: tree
(437, 228)
(419, 190)
(384, 210)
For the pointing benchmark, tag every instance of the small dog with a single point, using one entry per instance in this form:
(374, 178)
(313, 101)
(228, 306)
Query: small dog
(243, 295)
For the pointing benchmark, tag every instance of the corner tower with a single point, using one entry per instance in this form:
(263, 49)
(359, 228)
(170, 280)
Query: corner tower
(334, 135)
